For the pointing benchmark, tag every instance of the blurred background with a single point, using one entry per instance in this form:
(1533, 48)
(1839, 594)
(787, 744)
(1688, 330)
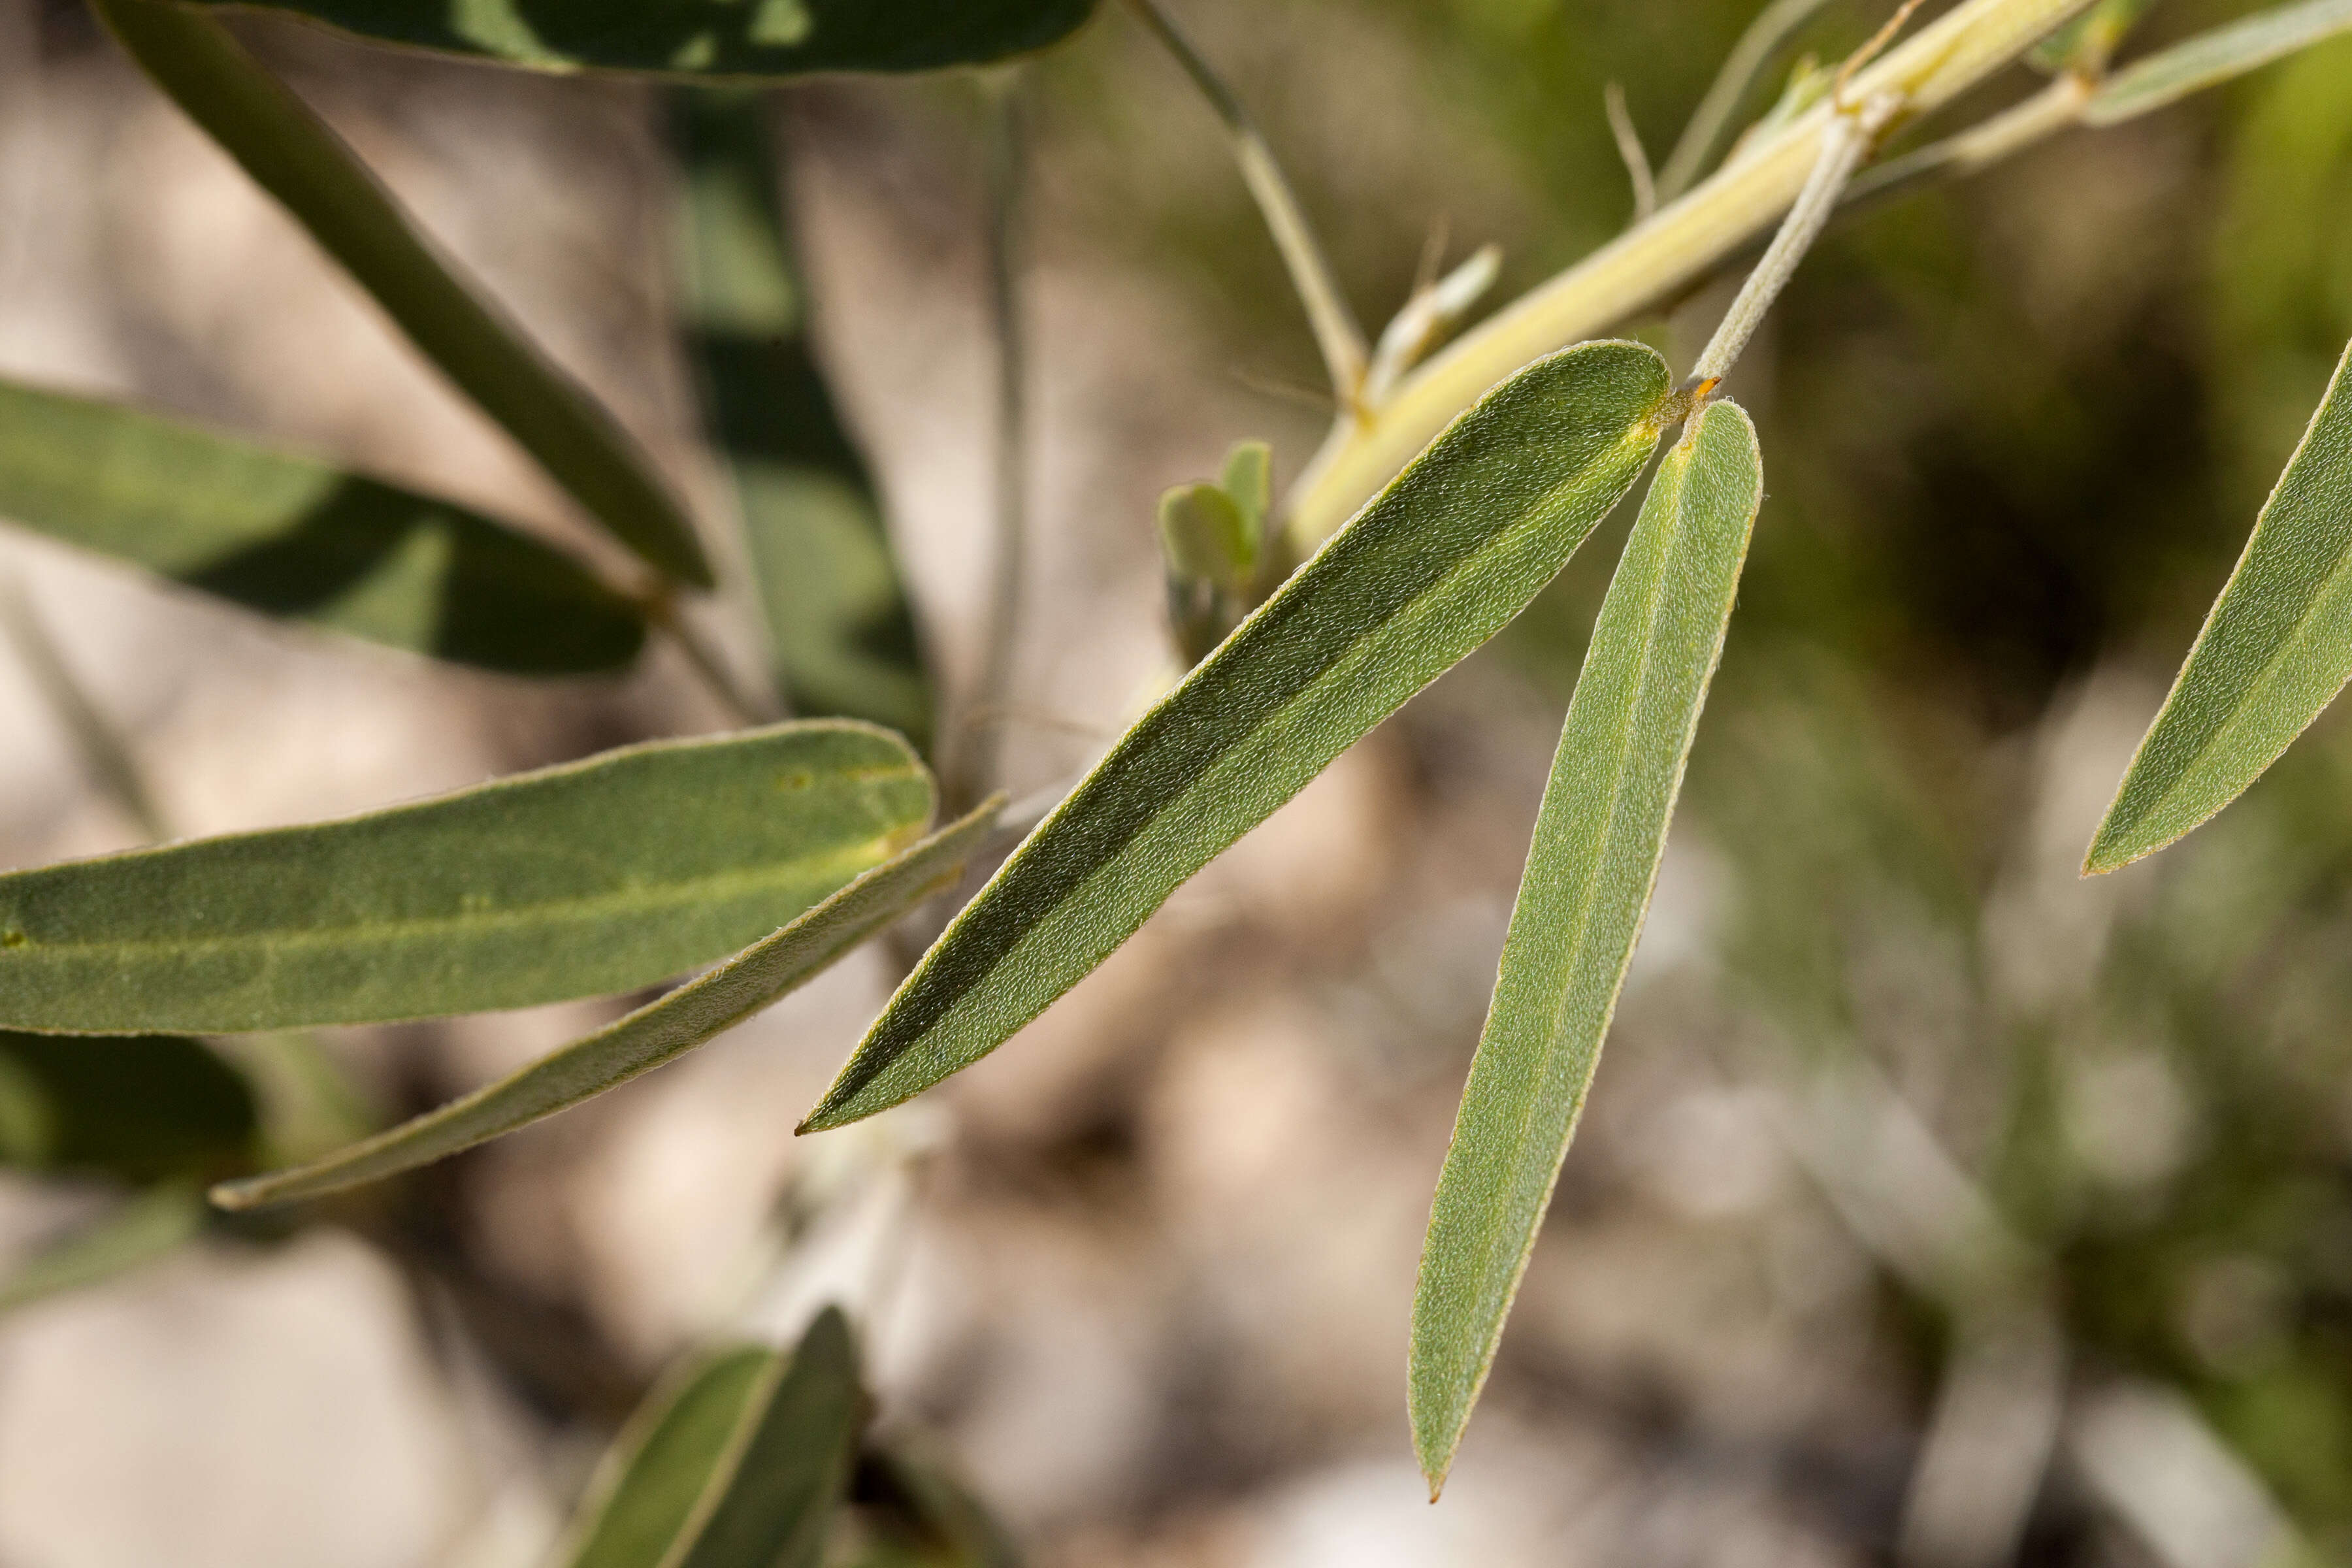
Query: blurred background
(1933, 1206)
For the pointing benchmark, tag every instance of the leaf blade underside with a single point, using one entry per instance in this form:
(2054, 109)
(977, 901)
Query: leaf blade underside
(1591, 866)
(588, 878)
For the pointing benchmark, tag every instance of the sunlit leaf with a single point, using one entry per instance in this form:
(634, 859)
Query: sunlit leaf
(2212, 58)
(1597, 838)
(597, 877)
(656, 1033)
(646, 1490)
(139, 1230)
(2276, 650)
(292, 154)
(707, 38)
(773, 1499)
(839, 626)
(139, 1107)
(1432, 567)
(295, 537)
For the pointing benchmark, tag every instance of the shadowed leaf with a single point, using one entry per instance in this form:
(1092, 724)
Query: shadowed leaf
(1597, 838)
(2276, 650)
(1432, 567)
(294, 537)
(292, 154)
(706, 37)
(694, 1014)
(141, 1107)
(839, 626)
(592, 878)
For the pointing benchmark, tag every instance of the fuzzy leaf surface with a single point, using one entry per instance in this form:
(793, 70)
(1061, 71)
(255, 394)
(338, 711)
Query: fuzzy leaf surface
(2276, 650)
(295, 538)
(1432, 567)
(662, 1031)
(294, 155)
(704, 38)
(591, 877)
(1597, 838)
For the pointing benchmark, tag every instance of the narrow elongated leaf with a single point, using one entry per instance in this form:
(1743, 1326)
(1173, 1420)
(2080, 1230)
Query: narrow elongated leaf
(2276, 650)
(694, 1014)
(1597, 838)
(142, 1229)
(292, 154)
(709, 38)
(646, 1490)
(579, 881)
(773, 1499)
(1432, 567)
(294, 537)
(2212, 58)
(840, 629)
(140, 1106)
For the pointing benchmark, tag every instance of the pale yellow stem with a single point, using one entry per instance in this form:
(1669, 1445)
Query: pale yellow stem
(1651, 261)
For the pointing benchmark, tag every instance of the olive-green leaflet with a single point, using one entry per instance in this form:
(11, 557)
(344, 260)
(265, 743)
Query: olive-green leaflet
(295, 537)
(2215, 57)
(705, 37)
(1432, 567)
(1597, 838)
(2275, 651)
(583, 880)
(740, 1463)
(292, 154)
(694, 1014)
(841, 633)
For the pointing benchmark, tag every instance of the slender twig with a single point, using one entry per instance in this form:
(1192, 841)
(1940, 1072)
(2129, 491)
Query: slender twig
(2054, 108)
(1747, 60)
(1847, 141)
(1629, 147)
(1427, 316)
(975, 750)
(1341, 340)
(104, 753)
(1681, 242)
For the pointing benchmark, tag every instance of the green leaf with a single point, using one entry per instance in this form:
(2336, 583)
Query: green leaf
(292, 154)
(2090, 41)
(1248, 479)
(295, 537)
(706, 37)
(1597, 838)
(771, 1501)
(1205, 537)
(646, 1489)
(694, 1014)
(2276, 649)
(591, 877)
(2215, 57)
(141, 1107)
(839, 624)
(923, 1499)
(1430, 569)
(140, 1230)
